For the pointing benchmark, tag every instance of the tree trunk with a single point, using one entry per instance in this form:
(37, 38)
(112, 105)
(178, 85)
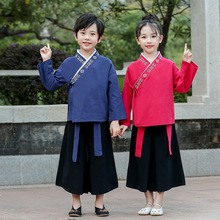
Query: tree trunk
(166, 25)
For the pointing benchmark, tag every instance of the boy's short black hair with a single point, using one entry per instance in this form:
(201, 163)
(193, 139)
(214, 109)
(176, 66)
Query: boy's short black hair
(86, 20)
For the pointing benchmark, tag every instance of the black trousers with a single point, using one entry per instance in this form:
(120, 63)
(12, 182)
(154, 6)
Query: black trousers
(90, 173)
(156, 170)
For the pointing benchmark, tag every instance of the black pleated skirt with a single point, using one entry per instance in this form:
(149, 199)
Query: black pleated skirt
(90, 173)
(156, 170)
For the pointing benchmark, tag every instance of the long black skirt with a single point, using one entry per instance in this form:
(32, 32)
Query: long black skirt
(90, 173)
(156, 170)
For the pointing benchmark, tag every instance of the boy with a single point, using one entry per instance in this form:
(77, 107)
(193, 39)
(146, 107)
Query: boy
(86, 160)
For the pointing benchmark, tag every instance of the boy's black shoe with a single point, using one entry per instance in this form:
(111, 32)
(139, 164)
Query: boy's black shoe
(101, 212)
(75, 212)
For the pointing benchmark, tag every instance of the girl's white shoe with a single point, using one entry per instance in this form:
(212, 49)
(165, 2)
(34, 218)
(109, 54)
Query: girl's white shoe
(145, 211)
(156, 211)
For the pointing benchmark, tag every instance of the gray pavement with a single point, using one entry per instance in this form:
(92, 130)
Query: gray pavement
(198, 200)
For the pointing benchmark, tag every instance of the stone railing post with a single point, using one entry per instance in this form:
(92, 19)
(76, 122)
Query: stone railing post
(205, 38)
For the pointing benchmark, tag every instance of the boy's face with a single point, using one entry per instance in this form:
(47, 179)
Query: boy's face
(88, 39)
(149, 40)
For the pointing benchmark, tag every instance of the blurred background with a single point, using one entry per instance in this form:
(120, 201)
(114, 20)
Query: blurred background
(27, 25)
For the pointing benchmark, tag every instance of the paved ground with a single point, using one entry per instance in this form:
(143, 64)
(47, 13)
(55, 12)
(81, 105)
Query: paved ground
(198, 200)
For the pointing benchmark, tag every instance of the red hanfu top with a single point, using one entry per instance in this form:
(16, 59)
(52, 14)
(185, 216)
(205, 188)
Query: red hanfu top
(148, 91)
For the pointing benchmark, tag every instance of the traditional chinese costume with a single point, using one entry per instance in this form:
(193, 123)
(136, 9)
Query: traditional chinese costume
(94, 99)
(148, 91)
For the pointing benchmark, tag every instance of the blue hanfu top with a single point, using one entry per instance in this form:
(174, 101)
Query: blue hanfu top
(94, 93)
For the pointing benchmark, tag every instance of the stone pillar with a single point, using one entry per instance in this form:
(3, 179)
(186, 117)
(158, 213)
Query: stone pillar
(205, 35)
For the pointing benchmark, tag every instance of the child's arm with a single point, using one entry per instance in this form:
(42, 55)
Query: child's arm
(116, 109)
(127, 95)
(182, 79)
(46, 53)
(50, 80)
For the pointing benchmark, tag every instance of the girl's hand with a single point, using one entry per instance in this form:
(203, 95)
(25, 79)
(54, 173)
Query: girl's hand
(114, 129)
(46, 53)
(123, 128)
(187, 55)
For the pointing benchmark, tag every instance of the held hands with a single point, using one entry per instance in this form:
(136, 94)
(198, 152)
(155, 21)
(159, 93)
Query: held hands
(117, 130)
(123, 128)
(114, 129)
(46, 53)
(187, 55)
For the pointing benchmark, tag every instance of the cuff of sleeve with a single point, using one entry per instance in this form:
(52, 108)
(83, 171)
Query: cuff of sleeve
(191, 63)
(194, 65)
(44, 62)
(124, 122)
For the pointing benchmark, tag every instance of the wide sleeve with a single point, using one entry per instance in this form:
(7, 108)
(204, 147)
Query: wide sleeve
(127, 94)
(51, 80)
(182, 79)
(116, 107)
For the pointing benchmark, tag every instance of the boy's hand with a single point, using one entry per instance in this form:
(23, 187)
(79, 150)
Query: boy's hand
(187, 55)
(114, 129)
(46, 53)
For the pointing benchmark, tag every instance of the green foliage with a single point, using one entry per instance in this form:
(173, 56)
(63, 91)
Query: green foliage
(17, 90)
(179, 34)
(57, 16)
(27, 57)
(23, 21)
(121, 80)
(14, 12)
(22, 90)
(181, 97)
(119, 42)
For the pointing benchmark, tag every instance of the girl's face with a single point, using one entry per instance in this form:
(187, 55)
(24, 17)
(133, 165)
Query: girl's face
(87, 40)
(149, 41)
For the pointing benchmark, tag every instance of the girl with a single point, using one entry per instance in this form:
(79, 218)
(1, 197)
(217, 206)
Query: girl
(86, 160)
(155, 162)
